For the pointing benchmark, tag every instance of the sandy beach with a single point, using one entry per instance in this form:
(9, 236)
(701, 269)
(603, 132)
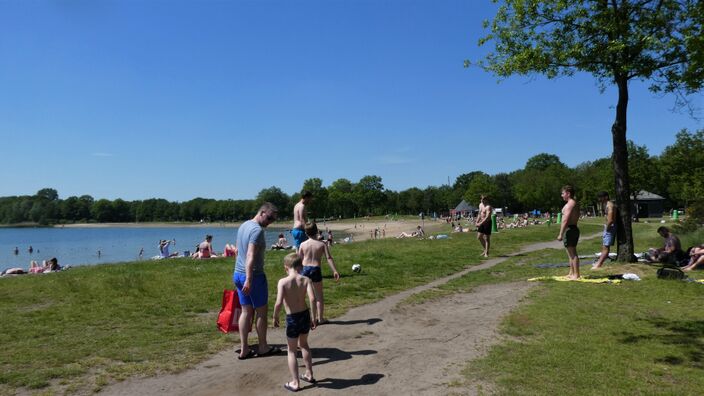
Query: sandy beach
(359, 230)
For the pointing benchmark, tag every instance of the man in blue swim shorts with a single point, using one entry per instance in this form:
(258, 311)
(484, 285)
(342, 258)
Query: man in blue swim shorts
(300, 219)
(250, 280)
(609, 236)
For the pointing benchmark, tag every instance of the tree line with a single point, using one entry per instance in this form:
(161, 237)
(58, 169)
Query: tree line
(677, 174)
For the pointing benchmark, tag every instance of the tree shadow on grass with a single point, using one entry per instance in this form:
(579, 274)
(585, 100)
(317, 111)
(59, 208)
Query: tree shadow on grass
(344, 383)
(684, 335)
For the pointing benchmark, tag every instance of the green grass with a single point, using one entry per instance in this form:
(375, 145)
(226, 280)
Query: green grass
(79, 330)
(642, 337)
(88, 326)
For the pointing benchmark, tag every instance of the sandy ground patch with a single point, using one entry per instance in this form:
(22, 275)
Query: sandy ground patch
(359, 230)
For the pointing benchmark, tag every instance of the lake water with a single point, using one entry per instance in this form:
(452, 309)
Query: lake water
(80, 246)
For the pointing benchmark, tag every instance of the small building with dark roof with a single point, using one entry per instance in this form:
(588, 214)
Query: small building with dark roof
(464, 208)
(647, 204)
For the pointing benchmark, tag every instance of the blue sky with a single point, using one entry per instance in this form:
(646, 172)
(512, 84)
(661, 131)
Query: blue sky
(216, 99)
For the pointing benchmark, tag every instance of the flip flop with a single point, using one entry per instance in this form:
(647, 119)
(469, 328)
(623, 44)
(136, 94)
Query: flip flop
(291, 388)
(272, 351)
(249, 355)
(310, 380)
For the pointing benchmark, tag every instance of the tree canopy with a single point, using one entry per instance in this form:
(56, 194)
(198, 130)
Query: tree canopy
(535, 186)
(659, 41)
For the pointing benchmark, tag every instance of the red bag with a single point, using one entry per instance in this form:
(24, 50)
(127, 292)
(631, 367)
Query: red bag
(228, 319)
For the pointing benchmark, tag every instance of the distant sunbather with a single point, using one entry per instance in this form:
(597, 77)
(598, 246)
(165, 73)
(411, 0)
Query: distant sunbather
(230, 250)
(280, 244)
(417, 233)
(205, 249)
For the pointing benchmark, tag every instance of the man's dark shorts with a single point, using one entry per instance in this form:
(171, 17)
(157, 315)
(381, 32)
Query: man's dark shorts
(571, 236)
(485, 228)
(297, 323)
(313, 272)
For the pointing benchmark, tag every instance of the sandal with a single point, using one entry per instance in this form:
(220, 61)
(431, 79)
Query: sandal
(274, 350)
(290, 388)
(310, 380)
(249, 355)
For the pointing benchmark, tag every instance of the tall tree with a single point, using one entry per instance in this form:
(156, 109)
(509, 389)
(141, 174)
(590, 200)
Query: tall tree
(481, 184)
(340, 198)
(318, 208)
(276, 196)
(369, 192)
(593, 177)
(616, 41)
(683, 163)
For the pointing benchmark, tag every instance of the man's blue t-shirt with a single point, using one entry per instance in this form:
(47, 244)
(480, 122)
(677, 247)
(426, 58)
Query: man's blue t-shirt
(250, 232)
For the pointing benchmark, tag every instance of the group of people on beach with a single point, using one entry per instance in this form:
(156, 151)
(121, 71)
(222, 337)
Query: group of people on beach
(47, 266)
(203, 250)
(303, 280)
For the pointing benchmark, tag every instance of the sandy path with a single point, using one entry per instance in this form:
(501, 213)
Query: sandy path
(375, 349)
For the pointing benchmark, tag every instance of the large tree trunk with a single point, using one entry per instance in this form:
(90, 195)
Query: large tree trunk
(620, 163)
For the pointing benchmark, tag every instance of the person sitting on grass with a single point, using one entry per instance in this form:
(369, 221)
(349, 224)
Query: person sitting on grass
(672, 252)
(281, 243)
(291, 292)
(311, 251)
(205, 248)
(164, 249)
(696, 258)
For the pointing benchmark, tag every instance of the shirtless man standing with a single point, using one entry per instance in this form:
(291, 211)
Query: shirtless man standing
(483, 224)
(569, 232)
(609, 228)
(300, 219)
(311, 252)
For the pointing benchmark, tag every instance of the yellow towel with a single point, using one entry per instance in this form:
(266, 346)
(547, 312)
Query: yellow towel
(565, 279)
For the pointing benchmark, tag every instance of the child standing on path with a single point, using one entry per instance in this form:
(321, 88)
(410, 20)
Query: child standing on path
(312, 252)
(291, 291)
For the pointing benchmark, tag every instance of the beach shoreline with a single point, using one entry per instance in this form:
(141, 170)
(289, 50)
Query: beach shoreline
(359, 230)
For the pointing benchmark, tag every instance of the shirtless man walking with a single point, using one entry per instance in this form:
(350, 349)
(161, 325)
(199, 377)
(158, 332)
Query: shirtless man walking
(609, 228)
(299, 219)
(483, 224)
(569, 232)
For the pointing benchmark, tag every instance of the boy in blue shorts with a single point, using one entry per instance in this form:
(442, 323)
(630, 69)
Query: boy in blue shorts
(291, 292)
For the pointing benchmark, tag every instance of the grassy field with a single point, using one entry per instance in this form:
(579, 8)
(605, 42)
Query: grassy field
(571, 338)
(84, 328)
